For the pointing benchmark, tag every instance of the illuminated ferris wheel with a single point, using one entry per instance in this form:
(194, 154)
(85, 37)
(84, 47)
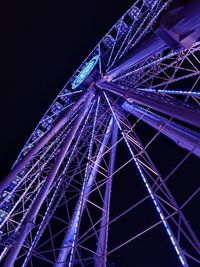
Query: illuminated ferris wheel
(132, 107)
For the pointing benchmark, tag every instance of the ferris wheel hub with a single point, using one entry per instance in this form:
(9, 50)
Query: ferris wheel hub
(85, 72)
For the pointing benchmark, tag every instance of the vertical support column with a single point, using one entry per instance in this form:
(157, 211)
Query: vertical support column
(100, 261)
(35, 207)
(69, 237)
(42, 142)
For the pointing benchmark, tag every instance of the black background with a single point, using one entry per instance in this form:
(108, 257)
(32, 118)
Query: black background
(42, 43)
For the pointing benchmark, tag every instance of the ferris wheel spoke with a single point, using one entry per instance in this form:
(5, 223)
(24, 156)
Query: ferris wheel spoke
(61, 104)
(119, 29)
(80, 203)
(138, 87)
(185, 92)
(140, 69)
(155, 199)
(68, 239)
(41, 143)
(138, 235)
(26, 195)
(170, 107)
(141, 31)
(144, 159)
(135, 12)
(173, 80)
(48, 215)
(187, 95)
(162, 70)
(189, 234)
(151, 45)
(30, 217)
(49, 212)
(84, 237)
(182, 136)
(100, 57)
(28, 184)
(144, 18)
(44, 152)
(137, 55)
(103, 234)
(70, 93)
(158, 67)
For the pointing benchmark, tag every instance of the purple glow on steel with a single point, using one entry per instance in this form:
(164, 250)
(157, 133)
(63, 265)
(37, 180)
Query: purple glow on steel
(180, 92)
(109, 41)
(84, 184)
(57, 187)
(167, 227)
(26, 228)
(134, 12)
(29, 186)
(145, 66)
(182, 136)
(88, 189)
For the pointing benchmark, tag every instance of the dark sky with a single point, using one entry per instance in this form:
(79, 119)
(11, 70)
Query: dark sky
(42, 45)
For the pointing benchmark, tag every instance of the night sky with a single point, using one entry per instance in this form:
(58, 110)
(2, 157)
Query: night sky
(42, 45)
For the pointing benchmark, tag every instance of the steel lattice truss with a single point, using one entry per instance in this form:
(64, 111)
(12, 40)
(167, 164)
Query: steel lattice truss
(140, 84)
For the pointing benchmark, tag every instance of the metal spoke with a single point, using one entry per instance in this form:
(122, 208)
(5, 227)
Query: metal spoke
(132, 106)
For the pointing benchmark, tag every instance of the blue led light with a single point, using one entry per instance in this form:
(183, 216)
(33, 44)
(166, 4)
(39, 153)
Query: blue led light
(178, 92)
(85, 72)
(163, 219)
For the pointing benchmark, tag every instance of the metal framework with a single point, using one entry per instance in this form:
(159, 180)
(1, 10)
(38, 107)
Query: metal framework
(138, 87)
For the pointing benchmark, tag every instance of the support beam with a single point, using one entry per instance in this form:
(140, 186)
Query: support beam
(171, 92)
(36, 205)
(100, 261)
(68, 239)
(43, 141)
(182, 136)
(50, 211)
(165, 105)
(175, 243)
(191, 237)
(178, 29)
(146, 48)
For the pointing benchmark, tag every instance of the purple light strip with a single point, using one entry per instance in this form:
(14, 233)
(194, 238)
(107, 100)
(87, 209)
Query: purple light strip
(167, 227)
(57, 187)
(83, 188)
(180, 92)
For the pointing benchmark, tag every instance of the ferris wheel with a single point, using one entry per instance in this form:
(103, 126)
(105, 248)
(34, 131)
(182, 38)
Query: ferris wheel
(127, 120)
